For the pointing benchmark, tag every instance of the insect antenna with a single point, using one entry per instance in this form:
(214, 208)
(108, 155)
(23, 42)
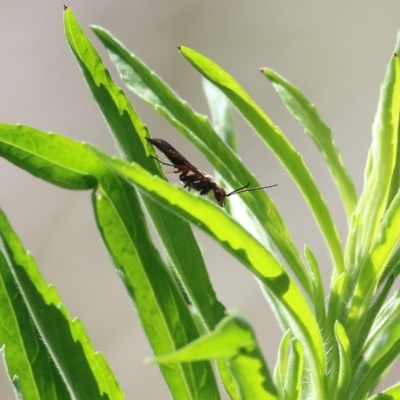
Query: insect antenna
(244, 189)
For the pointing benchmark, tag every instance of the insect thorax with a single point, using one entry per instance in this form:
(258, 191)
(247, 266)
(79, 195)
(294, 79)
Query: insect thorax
(205, 185)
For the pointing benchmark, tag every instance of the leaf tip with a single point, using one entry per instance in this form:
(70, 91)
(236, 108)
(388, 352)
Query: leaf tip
(65, 7)
(150, 360)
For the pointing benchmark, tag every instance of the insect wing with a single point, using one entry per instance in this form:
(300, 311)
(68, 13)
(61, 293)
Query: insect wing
(174, 156)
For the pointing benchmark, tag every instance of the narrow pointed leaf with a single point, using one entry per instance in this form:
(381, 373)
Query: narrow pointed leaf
(282, 362)
(230, 337)
(289, 368)
(335, 308)
(308, 117)
(341, 385)
(293, 386)
(25, 355)
(319, 295)
(48, 156)
(233, 340)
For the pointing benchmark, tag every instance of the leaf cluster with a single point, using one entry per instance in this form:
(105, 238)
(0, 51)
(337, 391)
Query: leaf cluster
(334, 349)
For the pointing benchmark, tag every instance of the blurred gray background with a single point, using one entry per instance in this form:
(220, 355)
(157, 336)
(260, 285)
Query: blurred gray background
(336, 52)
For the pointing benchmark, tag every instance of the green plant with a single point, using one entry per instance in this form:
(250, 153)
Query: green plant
(338, 350)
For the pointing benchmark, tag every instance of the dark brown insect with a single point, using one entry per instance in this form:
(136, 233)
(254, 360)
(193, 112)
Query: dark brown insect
(193, 178)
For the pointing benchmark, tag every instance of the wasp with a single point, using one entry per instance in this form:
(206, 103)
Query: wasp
(192, 177)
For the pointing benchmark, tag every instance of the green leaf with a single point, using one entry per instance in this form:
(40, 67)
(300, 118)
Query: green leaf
(282, 148)
(335, 309)
(49, 156)
(26, 358)
(85, 371)
(293, 386)
(308, 117)
(233, 340)
(230, 337)
(282, 362)
(289, 369)
(318, 286)
(196, 128)
(342, 382)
